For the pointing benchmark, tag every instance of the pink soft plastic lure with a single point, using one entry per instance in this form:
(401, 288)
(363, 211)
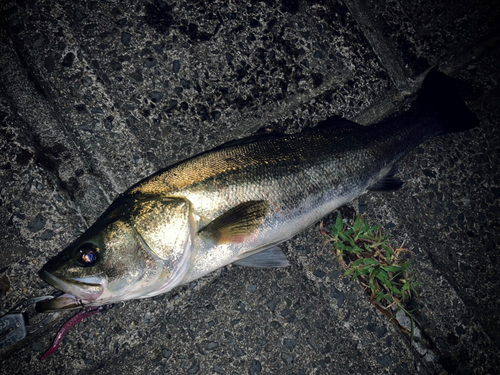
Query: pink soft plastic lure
(77, 318)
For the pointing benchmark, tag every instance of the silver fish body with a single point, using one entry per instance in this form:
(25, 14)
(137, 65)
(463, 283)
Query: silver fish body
(236, 202)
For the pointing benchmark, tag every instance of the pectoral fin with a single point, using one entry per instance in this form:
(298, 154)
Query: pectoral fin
(237, 223)
(270, 258)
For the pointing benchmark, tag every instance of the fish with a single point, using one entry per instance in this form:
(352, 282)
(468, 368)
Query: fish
(234, 204)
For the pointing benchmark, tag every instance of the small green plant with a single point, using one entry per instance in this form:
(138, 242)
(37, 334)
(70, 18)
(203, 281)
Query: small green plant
(367, 255)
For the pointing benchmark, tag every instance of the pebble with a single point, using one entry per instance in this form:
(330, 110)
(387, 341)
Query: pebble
(384, 360)
(327, 349)
(371, 327)
(210, 345)
(288, 359)
(195, 367)
(4, 285)
(219, 370)
(156, 96)
(275, 324)
(126, 38)
(289, 343)
(272, 305)
(338, 295)
(137, 75)
(240, 306)
(262, 342)
(115, 65)
(202, 111)
(68, 60)
(239, 352)
(150, 62)
(49, 63)
(286, 312)
(186, 84)
(319, 273)
(429, 173)
(47, 235)
(318, 55)
(215, 115)
(252, 288)
(389, 225)
(87, 81)
(230, 339)
(37, 224)
(121, 23)
(312, 343)
(176, 65)
(381, 331)
(178, 90)
(256, 366)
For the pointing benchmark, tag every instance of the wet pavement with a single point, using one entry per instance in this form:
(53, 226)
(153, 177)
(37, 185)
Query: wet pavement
(95, 96)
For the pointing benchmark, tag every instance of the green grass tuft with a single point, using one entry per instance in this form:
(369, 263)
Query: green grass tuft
(368, 256)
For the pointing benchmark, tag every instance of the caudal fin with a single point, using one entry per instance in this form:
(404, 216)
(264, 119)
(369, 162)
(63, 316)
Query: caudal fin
(439, 97)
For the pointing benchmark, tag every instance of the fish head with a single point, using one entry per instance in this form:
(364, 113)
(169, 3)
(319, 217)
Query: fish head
(138, 248)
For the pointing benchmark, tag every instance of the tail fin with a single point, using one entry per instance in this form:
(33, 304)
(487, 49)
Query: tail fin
(439, 97)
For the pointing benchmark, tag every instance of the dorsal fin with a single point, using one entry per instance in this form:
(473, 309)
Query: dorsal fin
(248, 140)
(336, 121)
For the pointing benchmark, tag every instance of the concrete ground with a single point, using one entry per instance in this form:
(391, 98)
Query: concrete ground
(96, 95)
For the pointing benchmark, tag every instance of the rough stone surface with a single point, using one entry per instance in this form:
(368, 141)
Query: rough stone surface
(95, 96)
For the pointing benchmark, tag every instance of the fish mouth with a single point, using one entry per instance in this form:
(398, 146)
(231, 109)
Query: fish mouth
(78, 292)
(63, 302)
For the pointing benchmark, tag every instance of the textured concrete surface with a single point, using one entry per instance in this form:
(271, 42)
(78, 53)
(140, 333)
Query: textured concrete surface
(95, 96)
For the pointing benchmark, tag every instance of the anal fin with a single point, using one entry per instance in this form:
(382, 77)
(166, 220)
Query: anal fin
(388, 182)
(269, 258)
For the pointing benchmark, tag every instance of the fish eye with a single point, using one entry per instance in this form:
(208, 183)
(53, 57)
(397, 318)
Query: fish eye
(88, 255)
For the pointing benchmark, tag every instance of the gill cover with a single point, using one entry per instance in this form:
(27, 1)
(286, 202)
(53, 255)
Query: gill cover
(163, 226)
(165, 229)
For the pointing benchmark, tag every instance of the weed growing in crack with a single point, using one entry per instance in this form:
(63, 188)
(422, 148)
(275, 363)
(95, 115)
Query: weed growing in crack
(368, 256)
